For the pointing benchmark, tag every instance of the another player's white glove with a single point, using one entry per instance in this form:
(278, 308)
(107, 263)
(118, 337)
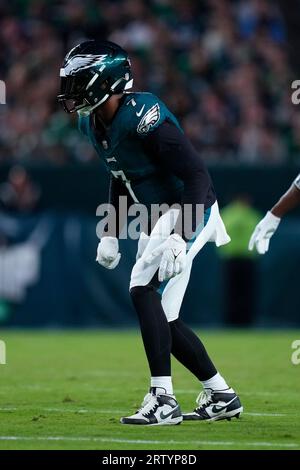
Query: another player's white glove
(108, 252)
(260, 238)
(143, 242)
(173, 257)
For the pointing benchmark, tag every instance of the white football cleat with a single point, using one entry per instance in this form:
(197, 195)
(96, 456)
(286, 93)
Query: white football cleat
(214, 405)
(157, 409)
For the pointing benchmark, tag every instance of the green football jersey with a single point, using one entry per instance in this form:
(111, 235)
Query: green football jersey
(121, 149)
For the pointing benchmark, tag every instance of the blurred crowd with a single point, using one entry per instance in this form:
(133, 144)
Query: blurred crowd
(220, 65)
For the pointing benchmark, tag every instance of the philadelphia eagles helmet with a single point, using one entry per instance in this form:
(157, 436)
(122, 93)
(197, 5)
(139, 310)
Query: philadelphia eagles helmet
(91, 73)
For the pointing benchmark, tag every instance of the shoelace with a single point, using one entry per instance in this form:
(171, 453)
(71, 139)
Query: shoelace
(151, 403)
(204, 399)
(146, 399)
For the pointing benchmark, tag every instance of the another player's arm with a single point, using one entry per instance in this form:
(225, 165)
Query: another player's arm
(260, 238)
(288, 201)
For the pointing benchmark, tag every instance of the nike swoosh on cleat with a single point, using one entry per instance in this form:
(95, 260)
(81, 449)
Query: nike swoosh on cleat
(163, 416)
(140, 112)
(218, 408)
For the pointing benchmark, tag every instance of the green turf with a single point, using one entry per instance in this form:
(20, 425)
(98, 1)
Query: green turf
(67, 391)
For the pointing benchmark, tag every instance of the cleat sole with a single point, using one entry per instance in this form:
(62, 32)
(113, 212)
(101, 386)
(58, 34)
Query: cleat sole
(228, 416)
(174, 422)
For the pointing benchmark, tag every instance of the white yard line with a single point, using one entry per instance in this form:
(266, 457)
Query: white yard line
(257, 393)
(62, 410)
(108, 373)
(112, 412)
(267, 414)
(84, 410)
(8, 408)
(41, 388)
(196, 391)
(142, 441)
(190, 391)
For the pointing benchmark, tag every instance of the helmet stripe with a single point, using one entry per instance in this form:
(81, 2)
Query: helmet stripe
(92, 81)
(114, 85)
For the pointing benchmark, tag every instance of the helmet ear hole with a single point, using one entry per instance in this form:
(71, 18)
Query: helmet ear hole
(104, 85)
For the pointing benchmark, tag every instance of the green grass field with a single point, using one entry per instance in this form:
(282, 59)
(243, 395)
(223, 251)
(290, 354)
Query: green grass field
(68, 390)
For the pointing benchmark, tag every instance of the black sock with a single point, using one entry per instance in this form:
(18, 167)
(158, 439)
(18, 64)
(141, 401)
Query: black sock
(154, 328)
(189, 350)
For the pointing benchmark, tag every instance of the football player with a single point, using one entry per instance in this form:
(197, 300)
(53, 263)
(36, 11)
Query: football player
(266, 228)
(150, 160)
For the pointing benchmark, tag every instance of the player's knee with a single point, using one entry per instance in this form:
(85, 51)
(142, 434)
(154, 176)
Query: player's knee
(140, 291)
(175, 324)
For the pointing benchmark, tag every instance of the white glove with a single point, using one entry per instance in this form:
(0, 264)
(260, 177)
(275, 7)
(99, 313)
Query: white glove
(173, 257)
(108, 252)
(263, 232)
(143, 242)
